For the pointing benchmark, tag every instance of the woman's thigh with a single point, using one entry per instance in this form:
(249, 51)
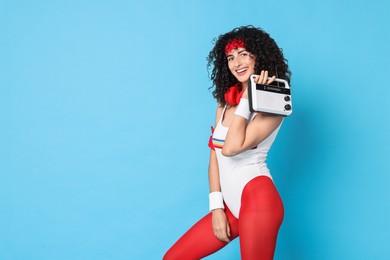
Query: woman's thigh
(261, 215)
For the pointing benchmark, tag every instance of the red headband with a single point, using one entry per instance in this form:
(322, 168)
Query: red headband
(233, 44)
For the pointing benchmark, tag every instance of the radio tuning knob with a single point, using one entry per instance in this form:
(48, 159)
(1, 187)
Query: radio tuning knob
(287, 98)
(287, 107)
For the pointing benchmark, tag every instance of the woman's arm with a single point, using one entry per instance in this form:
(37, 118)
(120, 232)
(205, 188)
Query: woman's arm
(219, 220)
(242, 136)
(213, 164)
(214, 173)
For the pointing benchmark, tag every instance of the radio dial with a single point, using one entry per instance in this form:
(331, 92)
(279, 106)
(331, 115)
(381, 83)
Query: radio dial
(287, 107)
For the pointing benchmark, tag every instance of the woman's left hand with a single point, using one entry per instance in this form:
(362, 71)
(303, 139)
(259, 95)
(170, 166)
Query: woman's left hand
(261, 79)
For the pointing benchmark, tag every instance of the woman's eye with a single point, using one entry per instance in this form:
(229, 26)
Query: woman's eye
(230, 59)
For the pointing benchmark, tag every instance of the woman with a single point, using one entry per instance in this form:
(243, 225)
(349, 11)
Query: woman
(243, 199)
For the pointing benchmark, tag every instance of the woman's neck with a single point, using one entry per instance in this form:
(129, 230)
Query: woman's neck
(244, 85)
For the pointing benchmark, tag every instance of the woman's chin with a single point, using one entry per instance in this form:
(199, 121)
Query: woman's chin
(243, 80)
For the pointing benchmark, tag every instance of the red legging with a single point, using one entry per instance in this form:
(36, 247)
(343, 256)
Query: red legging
(261, 215)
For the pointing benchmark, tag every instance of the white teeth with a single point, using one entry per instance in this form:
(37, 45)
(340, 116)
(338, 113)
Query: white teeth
(241, 70)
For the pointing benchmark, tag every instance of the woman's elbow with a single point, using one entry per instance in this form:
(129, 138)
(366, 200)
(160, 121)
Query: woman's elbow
(228, 152)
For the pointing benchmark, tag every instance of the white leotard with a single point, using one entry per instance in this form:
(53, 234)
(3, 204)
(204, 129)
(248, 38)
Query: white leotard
(236, 171)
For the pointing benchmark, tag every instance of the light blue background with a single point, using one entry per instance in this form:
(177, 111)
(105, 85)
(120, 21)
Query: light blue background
(105, 115)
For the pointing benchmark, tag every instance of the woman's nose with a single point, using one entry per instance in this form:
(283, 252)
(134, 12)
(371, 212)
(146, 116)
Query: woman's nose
(237, 62)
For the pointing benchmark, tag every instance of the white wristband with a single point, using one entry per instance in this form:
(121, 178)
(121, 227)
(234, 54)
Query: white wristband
(243, 108)
(216, 200)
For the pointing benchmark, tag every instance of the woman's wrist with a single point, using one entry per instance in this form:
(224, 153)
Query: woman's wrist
(242, 109)
(217, 211)
(216, 200)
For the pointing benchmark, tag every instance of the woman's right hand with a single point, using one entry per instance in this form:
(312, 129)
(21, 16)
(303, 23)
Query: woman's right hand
(221, 225)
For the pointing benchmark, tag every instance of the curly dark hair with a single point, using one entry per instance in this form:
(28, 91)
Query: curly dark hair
(256, 41)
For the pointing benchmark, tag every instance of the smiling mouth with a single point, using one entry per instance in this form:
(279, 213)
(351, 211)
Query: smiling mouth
(241, 71)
